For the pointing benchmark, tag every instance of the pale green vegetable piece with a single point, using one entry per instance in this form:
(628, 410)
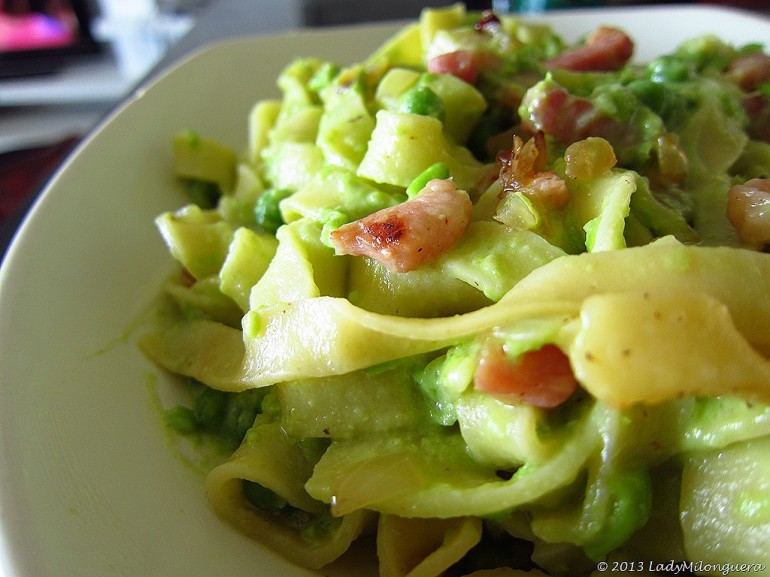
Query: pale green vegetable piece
(197, 238)
(393, 85)
(345, 126)
(402, 49)
(463, 104)
(434, 19)
(647, 212)
(713, 140)
(292, 165)
(721, 421)
(713, 137)
(754, 161)
(247, 260)
(404, 145)
(200, 158)
(605, 230)
(262, 119)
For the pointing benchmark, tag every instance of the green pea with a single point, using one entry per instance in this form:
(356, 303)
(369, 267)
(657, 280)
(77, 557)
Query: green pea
(423, 101)
(203, 193)
(651, 94)
(181, 419)
(210, 407)
(631, 500)
(267, 212)
(263, 498)
(668, 69)
(324, 76)
(438, 170)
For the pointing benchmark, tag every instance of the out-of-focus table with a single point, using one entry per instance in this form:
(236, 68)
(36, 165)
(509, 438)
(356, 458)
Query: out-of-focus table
(25, 171)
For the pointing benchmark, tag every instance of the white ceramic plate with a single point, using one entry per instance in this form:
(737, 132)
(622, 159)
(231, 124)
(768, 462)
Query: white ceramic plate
(89, 482)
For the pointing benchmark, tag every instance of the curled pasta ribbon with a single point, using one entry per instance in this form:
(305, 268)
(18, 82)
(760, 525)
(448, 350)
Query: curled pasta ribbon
(324, 336)
(270, 458)
(642, 347)
(423, 547)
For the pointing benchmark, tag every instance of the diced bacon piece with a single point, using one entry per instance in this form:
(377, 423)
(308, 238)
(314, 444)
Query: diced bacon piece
(569, 118)
(606, 49)
(411, 234)
(461, 64)
(750, 70)
(557, 113)
(542, 377)
(748, 209)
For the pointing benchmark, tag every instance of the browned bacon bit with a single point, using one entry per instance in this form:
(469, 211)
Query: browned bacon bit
(461, 64)
(569, 118)
(488, 22)
(524, 170)
(411, 234)
(565, 117)
(750, 70)
(748, 209)
(606, 49)
(542, 377)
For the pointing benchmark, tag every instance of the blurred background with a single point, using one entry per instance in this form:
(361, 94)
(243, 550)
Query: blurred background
(64, 64)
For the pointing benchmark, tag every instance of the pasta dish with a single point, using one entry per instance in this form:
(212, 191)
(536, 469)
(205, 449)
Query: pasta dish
(497, 302)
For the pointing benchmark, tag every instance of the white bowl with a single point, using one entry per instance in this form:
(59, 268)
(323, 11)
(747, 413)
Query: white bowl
(90, 482)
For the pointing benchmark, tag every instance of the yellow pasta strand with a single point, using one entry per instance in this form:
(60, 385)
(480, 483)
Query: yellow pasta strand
(648, 347)
(270, 458)
(423, 547)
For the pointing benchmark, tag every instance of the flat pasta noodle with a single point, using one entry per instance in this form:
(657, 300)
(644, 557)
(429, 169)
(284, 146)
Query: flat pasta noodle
(316, 337)
(648, 347)
(605, 237)
(328, 335)
(271, 459)
(438, 480)
(423, 547)
(736, 277)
